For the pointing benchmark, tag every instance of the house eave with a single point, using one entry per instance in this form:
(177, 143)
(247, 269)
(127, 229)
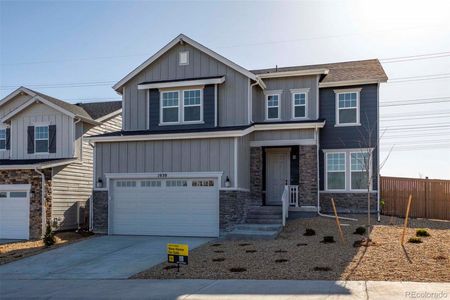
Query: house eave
(44, 165)
(351, 82)
(183, 83)
(293, 73)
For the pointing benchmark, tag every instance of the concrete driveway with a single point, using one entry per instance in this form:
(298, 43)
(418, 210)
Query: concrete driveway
(106, 257)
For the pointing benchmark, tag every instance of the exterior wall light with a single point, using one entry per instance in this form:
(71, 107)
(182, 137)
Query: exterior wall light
(227, 182)
(99, 182)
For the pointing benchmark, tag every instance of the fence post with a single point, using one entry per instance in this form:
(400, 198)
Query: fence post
(426, 197)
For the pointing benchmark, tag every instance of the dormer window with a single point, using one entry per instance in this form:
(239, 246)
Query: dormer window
(183, 58)
(41, 139)
(181, 107)
(170, 104)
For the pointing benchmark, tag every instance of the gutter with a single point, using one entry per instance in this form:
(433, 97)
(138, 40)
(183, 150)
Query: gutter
(91, 205)
(43, 206)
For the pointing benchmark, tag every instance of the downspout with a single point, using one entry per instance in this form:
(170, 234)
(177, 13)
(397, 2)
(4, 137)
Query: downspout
(91, 206)
(378, 155)
(251, 99)
(74, 135)
(316, 132)
(43, 206)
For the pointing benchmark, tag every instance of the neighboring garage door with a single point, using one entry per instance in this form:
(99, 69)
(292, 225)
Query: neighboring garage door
(173, 207)
(14, 212)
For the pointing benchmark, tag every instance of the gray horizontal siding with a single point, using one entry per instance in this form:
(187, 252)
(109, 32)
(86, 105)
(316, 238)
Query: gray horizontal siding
(199, 155)
(285, 85)
(332, 137)
(232, 94)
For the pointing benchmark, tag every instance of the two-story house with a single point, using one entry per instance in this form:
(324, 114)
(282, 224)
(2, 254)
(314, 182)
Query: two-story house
(207, 144)
(45, 160)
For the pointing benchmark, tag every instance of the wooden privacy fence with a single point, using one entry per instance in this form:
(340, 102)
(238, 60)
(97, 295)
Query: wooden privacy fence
(430, 197)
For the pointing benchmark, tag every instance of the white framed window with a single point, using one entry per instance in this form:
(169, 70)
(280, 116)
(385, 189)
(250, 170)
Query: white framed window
(192, 106)
(335, 171)
(170, 102)
(183, 58)
(41, 139)
(273, 106)
(347, 107)
(299, 104)
(359, 163)
(2, 139)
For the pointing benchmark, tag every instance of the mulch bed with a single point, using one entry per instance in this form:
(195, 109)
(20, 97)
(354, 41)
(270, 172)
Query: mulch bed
(14, 251)
(294, 256)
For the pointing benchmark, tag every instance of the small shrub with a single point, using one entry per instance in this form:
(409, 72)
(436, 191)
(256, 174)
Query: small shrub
(440, 257)
(309, 232)
(216, 245)
(238, 270)
(323, 269)
(422, 232)
(282, 260)
(245, 244)
(219, 259)
(328, 239)
(415, 240)
(49, 236)
(280, 251)
(360, 230)
(219, 251)
(301, 244)
(166, 268)
(250, 251)
(363, 242)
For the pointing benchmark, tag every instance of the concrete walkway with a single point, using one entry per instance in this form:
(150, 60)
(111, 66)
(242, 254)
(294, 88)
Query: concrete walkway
(219, 289)
(105, 257)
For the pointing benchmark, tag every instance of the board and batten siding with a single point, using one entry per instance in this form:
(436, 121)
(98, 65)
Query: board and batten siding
(194, 155)
(232, 94)
(244, 161)
(288, 134)
(74, 182)
(285, 85)
(41, 113)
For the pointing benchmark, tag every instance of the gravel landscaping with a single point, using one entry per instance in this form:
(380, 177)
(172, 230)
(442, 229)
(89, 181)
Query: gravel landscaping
(295, 256)
(18, 250)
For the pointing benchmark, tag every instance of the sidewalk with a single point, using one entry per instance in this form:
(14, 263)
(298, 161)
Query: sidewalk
(219, 289)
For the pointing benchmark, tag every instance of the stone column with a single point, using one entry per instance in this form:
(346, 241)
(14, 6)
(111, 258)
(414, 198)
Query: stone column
(256, 175)
(307, 186)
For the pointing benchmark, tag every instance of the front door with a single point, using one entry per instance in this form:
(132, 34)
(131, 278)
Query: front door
(277, 174)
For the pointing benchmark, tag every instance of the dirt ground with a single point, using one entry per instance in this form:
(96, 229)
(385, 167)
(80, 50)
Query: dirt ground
(294, 256)
(15, 251)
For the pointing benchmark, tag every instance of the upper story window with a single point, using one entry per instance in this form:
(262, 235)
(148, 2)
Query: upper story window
(299, 103)
(41, 139)
(183, 58)
(2, 139)
(273, 106)
(181, 107)
(347, 107)
(335, 164)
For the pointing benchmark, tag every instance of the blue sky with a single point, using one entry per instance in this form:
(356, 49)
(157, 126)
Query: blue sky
(76, 50)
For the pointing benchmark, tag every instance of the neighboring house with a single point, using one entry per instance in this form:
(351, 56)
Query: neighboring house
(207, 144)
(45, 160)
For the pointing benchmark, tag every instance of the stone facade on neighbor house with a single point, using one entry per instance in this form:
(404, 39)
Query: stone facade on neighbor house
(348, 202)
(100, 212)
(35, 180)
(233, 208)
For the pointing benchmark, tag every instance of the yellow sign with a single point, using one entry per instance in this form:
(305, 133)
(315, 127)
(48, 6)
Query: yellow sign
(178, 249)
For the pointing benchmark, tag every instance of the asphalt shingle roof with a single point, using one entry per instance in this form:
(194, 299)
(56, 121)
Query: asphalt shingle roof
(100, 109)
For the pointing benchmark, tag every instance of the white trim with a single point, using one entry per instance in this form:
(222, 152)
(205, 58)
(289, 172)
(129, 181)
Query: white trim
(350, 169)
(190, 105)
(42, 125)
(147, 114)
(266, 105)
(44, 165)
(317, 98)
(108, 116)
(18, 109)
(299, 92)
(350, 82)
(171, 44)
(293, 73)
(233, 189)
(215, 106)
(326, 170)
(337, 109)
(3, 127)
(123, 109)
(235, 162)
(15, 187)
(181, 106)
(175, 84)
(282, 142)
(249, 100)
(209, 134)
(16, 92)
(161, 107)
(347, 192)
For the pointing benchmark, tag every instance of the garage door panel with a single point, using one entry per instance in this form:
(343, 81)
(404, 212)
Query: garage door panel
(14, 215)
(175, 207)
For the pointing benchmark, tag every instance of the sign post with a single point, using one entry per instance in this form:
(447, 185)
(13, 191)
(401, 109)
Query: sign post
(177, 254)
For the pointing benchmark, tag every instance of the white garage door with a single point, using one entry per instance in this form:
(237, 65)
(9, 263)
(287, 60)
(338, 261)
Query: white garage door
(173, 207)
(14, 213)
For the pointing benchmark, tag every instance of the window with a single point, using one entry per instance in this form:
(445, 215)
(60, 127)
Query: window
(192, 105)
(2, 139)
(151, 183)
(18, 194)
(3, 194)
(126, 183)
(335, 163)
(299, 105)
(359, 161)
(202, 183)
(176, 183)
(170, 103)
(347, 107)
(41, 139)
(183, 58)
(272, 107)
(178, 107)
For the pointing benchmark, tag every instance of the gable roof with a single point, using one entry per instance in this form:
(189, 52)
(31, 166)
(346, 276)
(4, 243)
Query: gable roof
(341, 72)
(99, 110)
(182, 38)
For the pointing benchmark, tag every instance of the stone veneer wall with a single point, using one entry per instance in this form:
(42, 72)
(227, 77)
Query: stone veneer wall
(348, 202)
(33, 178)
(100, 211)
(234, 205)
(256, 175)
(307, 185)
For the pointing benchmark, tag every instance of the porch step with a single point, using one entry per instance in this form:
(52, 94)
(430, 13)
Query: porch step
(264, 215)
(254, 232)
(265, 220)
